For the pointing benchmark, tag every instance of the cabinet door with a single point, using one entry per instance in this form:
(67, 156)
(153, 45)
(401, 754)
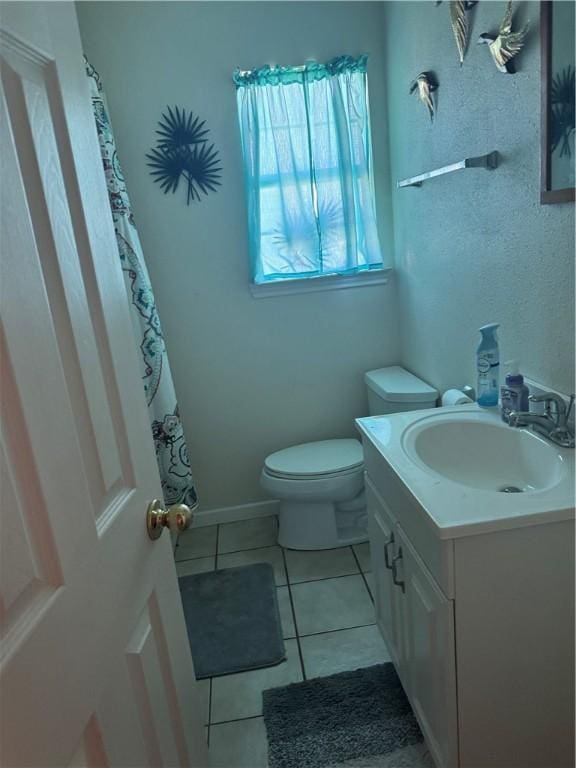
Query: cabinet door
(382, 552)
(428, 627)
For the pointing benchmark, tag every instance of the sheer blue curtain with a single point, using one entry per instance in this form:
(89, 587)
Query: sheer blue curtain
(306, 144)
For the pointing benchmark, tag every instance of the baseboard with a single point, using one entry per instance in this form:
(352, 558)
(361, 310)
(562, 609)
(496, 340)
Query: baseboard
(232, 514)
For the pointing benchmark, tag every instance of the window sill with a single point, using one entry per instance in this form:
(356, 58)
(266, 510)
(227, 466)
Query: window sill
(325, 283)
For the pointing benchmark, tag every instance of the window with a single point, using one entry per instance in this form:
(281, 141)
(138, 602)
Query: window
(305, 135)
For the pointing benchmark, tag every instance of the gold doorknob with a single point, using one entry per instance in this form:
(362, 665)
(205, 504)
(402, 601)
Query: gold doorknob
(177, 517)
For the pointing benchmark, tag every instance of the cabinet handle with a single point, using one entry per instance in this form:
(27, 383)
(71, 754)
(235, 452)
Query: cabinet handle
(386, 560)
(395, 579)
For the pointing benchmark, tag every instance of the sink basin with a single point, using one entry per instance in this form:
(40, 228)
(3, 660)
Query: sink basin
(484, 455)
(467, 471)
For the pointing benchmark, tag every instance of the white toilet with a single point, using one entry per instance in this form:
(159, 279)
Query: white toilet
(321, 485)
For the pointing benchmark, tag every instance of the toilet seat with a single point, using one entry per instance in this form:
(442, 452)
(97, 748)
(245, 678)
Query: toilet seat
(313, 478)
(321, 459)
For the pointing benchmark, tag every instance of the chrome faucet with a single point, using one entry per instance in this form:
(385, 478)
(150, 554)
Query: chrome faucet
(553, 424)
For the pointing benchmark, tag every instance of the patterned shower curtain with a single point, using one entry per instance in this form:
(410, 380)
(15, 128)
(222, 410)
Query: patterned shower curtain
(169, 441)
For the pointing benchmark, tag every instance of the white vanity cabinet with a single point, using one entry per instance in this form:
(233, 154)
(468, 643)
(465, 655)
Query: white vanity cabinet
(480, 628)
(417, 622)
(428, 626)
(382, 532)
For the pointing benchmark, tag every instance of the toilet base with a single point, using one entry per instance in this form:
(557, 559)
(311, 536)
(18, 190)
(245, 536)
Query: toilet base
(310, 525)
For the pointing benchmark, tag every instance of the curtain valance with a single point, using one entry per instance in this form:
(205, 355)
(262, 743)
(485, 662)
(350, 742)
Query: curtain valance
(309, 72)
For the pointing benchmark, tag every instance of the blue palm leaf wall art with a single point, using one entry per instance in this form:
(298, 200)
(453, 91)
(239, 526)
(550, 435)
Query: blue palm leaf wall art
(177, 129)
(182, 151)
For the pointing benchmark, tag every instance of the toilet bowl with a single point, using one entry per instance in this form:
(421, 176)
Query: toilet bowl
(321, 489)
(320, 485)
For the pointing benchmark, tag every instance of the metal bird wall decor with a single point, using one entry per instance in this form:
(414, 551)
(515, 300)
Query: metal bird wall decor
(459, 20)
(183, 151)
(507, 44)
(426, 84)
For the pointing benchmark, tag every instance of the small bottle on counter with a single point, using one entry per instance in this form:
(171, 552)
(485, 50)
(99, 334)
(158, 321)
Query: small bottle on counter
(514, 393)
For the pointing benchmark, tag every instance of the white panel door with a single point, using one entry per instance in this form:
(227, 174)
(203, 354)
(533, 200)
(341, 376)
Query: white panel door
(94, 662)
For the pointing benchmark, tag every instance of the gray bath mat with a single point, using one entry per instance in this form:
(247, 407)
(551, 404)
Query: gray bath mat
(359, 718)
(232, 619)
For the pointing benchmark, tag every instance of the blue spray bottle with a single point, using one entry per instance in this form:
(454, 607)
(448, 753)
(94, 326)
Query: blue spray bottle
(488, 366)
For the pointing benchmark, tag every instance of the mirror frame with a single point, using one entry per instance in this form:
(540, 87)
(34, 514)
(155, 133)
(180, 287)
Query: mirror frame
(547, 195)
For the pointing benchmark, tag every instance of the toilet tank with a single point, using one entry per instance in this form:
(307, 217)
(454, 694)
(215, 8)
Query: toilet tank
(394, 389)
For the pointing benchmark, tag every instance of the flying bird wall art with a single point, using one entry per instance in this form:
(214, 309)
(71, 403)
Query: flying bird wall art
(183, 151)
(506, 44)
(426, 84)
(459, 21)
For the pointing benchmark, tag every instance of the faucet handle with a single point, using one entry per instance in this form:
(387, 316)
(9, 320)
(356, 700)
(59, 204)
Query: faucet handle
(561, 412)
(550, 397)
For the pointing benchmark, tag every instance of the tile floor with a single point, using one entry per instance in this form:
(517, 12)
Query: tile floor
(327, 619)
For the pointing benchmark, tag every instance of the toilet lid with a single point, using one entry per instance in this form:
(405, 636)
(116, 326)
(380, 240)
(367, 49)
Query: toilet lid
(325, 457)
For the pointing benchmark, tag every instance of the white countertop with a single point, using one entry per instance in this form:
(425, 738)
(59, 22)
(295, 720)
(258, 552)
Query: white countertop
(455, 509)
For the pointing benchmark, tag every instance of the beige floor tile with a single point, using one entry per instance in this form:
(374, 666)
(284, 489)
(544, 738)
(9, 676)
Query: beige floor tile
(341, 651)
(286, 614)
(370, 579)
(240, 695)
(199, 565)
(247, 534)
(241, 744)
(203, 688)
(272, 555)
(320, 564)
(363, 555)
(197, 542)
(321, 606)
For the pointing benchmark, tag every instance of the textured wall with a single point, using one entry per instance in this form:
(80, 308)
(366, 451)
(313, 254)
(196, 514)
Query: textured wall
(475, 246)
(252, 376)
